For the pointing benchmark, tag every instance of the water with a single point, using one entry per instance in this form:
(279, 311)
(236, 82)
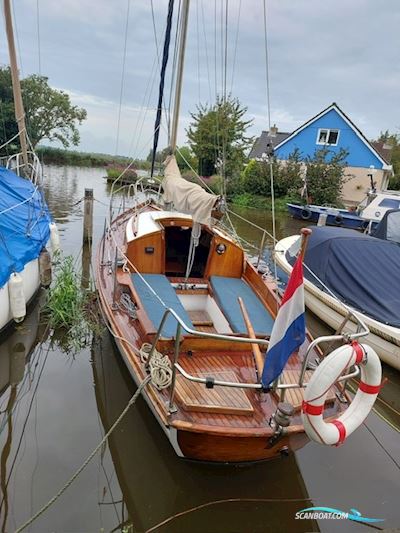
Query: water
(55, 408)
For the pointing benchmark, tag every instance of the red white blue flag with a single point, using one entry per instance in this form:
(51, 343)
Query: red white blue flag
(289, 331)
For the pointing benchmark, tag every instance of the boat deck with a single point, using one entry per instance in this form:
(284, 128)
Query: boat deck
(222, 412)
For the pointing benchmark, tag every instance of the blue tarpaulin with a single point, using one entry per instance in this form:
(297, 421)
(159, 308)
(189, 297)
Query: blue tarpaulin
(362, 271)
(24, 223)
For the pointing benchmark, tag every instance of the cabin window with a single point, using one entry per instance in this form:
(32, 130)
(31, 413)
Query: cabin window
(327, 136)
(391, 203)
(177, 242)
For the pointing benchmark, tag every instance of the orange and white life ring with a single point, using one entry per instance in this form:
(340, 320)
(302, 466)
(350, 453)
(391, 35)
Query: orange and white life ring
(327, 373)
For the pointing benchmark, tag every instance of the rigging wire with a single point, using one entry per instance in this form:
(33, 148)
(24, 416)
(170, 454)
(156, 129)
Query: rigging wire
(166, 111)
(167, 41)
(206, 51)
(271, 169)
(122, 75)
(38, 36)
(236, 44)
(198, 52)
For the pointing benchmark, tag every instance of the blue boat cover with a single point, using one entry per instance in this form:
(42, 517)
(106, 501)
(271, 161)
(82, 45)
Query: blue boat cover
(389, 227)
(362, 271)
(227, 291)
(24, 223)
(152, 305)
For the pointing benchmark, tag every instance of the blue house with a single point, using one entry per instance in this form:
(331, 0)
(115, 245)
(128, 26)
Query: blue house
(332, 129)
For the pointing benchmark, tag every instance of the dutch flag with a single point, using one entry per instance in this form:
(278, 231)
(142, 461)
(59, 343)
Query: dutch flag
(289, 331)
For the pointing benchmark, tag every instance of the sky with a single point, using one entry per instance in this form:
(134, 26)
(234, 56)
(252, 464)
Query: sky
(319, 52)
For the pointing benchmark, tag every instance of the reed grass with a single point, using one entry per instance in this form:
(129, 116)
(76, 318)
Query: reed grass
(70, 308)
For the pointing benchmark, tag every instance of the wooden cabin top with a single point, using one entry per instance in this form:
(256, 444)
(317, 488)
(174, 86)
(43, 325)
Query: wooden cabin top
(157, 242)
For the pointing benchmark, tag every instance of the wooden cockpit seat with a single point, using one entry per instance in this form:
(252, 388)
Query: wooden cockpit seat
(227, 291)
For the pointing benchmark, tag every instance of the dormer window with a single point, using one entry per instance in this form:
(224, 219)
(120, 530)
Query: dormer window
(326, 136)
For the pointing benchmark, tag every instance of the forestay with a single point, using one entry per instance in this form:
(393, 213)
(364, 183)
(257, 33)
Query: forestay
(185, 196)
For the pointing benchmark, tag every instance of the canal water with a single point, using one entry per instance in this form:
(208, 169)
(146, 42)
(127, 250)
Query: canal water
(55, 407)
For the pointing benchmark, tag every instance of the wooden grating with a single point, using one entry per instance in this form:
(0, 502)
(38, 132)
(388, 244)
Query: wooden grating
(200, 318)
(296, 396)
(225, 400)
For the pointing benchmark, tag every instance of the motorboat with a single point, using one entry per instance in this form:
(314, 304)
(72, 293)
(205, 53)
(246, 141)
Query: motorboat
(347, 271)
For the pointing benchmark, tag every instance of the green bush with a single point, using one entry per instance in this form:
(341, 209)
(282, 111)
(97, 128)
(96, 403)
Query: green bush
(59, 156)
(325, 176)
(256, 177)
(114, 172)
(260, 202)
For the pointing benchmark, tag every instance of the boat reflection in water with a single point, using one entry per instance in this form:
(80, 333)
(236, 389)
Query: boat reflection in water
(156, 484)
(16, 348)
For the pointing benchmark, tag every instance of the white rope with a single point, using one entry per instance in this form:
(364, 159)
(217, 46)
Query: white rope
(12, 139)
(20, 203)
(160, 366)
(87, 461)
(194, 242)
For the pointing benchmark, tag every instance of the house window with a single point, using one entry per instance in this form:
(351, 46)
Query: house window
(326, 136)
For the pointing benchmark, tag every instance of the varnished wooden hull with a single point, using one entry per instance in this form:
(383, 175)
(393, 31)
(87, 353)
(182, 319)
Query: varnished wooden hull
(225, 435)
(206, 447)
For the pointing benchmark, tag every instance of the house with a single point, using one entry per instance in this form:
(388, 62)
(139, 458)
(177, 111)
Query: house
(332, 129)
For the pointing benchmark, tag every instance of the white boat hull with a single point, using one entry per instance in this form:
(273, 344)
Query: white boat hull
(384, 339)
(31, 284)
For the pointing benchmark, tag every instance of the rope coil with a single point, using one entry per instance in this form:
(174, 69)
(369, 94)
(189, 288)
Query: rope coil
(160, 366)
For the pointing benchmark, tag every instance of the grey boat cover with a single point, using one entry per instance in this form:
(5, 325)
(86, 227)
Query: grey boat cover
(362, 271)
(389, 227)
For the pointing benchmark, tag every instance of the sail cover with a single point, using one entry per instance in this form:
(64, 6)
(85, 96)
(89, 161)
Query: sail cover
(24, 223)
(187, 197)
(362, 271)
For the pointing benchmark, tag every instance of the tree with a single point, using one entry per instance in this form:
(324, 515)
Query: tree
(256, 177)
(325, 176)
(217, 135)
(185, 159)
(49, 112)
(393, 140)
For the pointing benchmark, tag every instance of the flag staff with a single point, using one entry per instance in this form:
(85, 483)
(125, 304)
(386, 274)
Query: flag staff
(305, 233)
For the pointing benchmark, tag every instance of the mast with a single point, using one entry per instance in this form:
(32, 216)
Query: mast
(19, 108)
(181, 61)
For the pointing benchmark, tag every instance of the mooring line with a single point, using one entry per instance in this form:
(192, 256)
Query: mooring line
(87, 461)
(240, 500)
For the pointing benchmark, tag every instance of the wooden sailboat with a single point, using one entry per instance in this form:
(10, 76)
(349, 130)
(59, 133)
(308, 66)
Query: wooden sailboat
(170, 486)
(185, 304)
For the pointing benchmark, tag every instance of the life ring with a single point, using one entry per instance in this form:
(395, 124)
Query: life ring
(306, 214)
(338, 220)
(335, 432)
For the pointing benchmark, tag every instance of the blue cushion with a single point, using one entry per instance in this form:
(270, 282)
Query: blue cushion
(227, 291)
(153, 307)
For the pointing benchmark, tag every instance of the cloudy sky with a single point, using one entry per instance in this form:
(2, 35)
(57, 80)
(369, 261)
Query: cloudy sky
(347, 51)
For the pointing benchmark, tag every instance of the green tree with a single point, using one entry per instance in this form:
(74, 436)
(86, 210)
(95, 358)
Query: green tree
(185, 158)
(325, 176)
(49, 112)
(217, 134)
(393, 140)
(256, 177)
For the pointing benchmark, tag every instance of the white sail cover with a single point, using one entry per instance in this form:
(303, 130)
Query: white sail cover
(186, 197)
